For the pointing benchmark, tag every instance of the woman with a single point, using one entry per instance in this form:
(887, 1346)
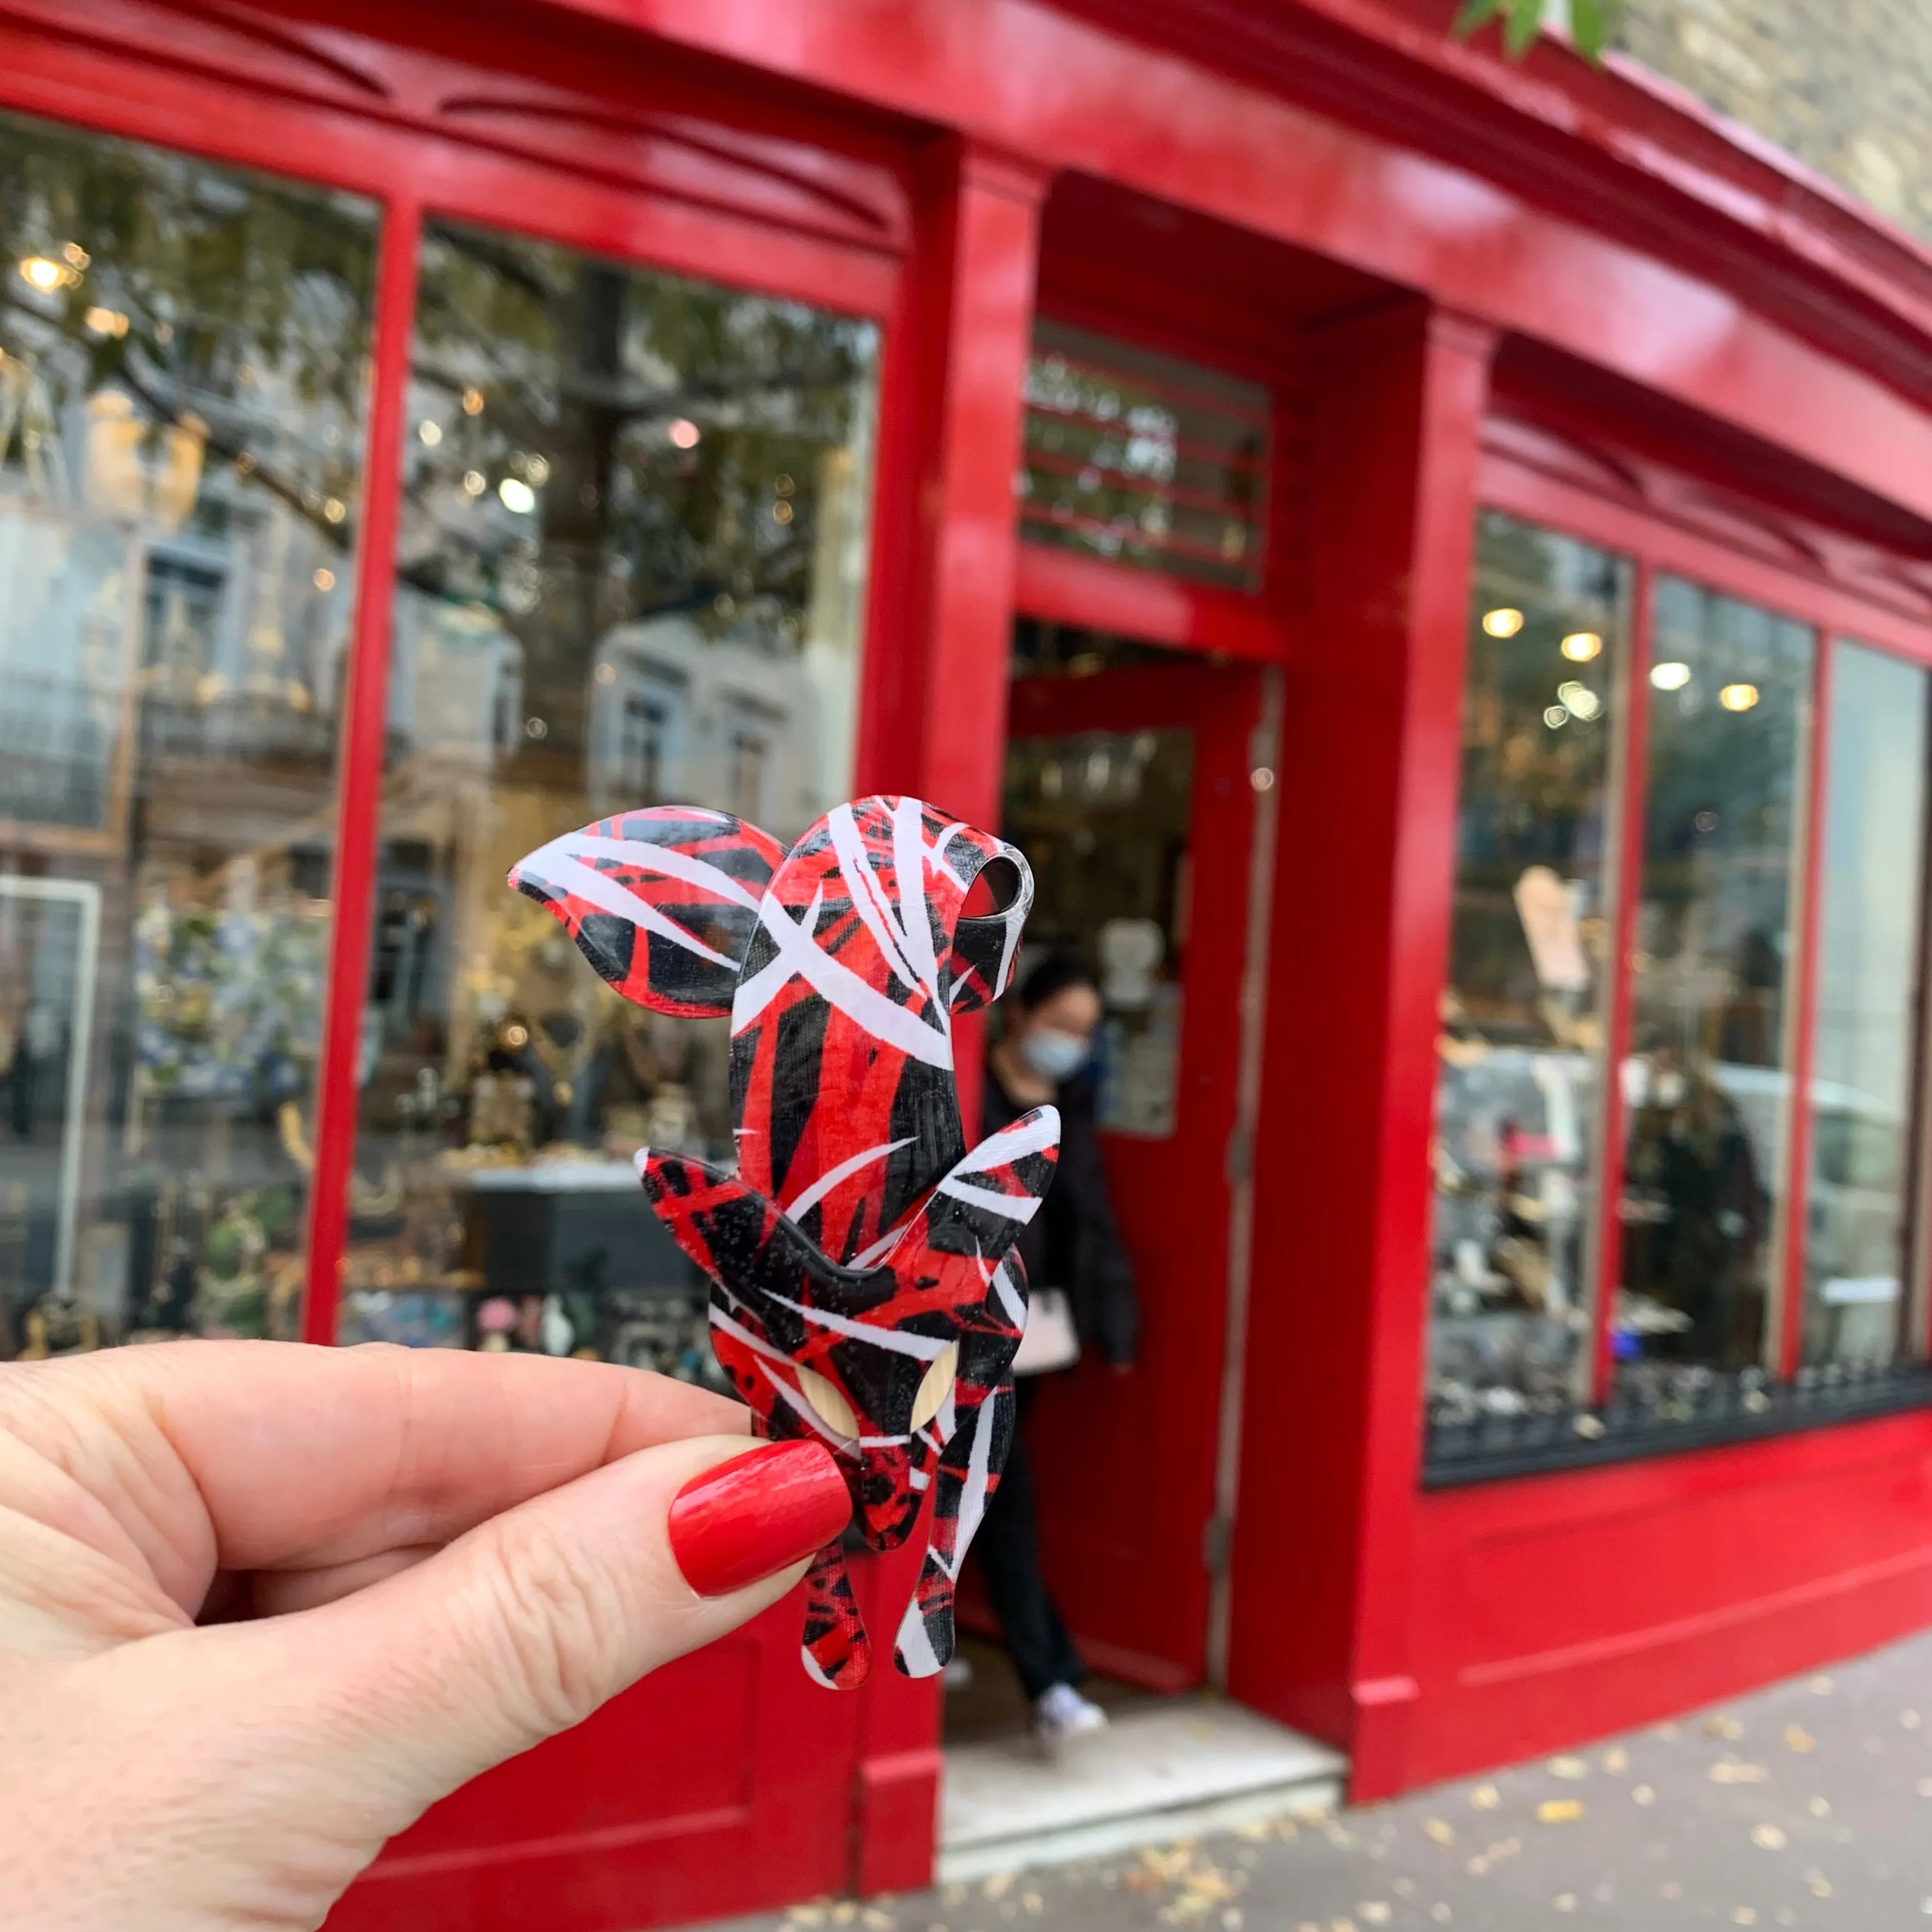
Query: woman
(1077, 1268)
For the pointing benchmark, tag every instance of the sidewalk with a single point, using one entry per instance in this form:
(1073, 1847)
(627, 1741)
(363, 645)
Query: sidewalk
(1809, 1805)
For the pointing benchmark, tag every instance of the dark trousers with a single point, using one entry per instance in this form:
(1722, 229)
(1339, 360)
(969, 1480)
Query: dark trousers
(1008, 1544)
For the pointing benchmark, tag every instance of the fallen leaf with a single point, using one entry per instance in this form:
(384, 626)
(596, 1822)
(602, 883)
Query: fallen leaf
(1477, 1867)
(845, 1911)
(1616, 1761)
(996, 1886)
(1570, 1768)
(1643, 1794)
(1745, 1915)
(1256, 1829)
(1559, 1811)
(1820, 1808)
(1374, 1912)
(1442, 1832)
(1910, 1719)
(1440, 1914)
(1730, 1771)
(1231, 1919)
(1485, 1798)
(1723, 1726)
(1768, 1837)
(1031, 1900)
(1819, 1687)
(1565, 1901)
(1799, 1739)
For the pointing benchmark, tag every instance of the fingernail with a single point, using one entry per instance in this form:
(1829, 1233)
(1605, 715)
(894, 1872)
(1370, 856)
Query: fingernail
(755, 1515)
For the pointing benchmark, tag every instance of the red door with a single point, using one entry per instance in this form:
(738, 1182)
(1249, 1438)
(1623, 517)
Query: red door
(1130, 791)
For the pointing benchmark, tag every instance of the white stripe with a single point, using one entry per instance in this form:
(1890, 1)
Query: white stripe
(909, 849)
(884, 1441)
(1015, 1304)
(871, 1257)
(973, 1492)
(864, 1005)
(1014, 1207)
(648, 858)
(868, 898)
(1031, 1133)
(914, 1645)
(898, 1341)
(812, 1670)
(719, 1319)
(803, 1204)
(564, 875)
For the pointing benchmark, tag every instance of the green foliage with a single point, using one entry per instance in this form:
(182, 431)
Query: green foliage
(1590, 21)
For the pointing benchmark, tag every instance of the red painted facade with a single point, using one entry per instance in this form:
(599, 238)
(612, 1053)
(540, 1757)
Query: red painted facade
(1553, 290)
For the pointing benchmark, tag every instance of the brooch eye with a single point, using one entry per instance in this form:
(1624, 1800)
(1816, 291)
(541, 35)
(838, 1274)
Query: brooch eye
(936, 1386)
(828, 1405)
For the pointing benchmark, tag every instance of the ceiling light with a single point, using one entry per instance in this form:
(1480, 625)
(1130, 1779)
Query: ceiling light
(1502, 623)
(1556, 715)
(1579, 700)
(684, 434)
(1580, 646)
(1738, 697)
(429, 432)
(517, 495)
(1670, 676)
(43, 272)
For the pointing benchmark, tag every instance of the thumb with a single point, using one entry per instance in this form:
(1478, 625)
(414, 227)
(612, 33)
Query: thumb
(524, 1626)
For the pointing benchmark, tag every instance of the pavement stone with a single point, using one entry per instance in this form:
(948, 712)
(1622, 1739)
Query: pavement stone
(1807, 1805)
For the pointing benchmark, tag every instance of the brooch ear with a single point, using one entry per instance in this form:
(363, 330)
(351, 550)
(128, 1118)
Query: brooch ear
(986, 940)
(663, 901)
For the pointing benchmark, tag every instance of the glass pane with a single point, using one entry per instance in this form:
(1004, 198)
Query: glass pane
(1866, 1029)
(632, 568)
(1707, 1085)
(1521, 1052)
(1143, 459)
(183, 355)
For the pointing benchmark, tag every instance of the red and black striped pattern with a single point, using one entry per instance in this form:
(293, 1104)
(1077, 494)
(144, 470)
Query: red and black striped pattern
(862, 1289)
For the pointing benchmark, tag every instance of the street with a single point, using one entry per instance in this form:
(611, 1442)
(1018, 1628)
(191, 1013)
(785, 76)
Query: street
(1809, 1805)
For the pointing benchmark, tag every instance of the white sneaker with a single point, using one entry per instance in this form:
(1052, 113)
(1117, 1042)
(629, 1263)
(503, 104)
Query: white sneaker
(1060, 1715)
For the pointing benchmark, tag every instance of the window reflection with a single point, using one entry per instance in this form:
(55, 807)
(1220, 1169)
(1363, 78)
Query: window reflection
(182, 370)
(1707, 1086)
(631, 572)
(1866, 1028)
(1522, 1045)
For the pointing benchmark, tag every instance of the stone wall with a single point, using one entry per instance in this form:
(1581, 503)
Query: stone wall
(1846, 85)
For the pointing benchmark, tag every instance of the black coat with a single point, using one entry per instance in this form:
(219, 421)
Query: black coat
(1074, 1242)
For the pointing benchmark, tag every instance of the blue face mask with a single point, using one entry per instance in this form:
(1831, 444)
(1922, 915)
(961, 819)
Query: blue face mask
(1052, 1054)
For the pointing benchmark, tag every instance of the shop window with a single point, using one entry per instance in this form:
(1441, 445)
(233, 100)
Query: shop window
(1143, 460)
(631, 571)
(1859, 1244)
(1708, 1083)
(1524, 1013)
(1759, 1142)
(183, 368)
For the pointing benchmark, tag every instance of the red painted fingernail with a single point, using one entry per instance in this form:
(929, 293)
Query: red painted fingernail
(754, 1516)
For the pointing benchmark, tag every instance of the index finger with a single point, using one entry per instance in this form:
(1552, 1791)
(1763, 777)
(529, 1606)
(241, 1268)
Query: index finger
(264, 1455)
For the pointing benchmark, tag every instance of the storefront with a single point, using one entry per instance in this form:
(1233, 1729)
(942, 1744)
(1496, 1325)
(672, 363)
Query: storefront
(1457, 654)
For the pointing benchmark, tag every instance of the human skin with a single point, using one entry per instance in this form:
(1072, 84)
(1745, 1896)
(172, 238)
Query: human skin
(261, 1605)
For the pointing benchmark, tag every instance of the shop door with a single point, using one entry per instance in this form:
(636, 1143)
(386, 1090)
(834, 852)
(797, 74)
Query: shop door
(1131, 792)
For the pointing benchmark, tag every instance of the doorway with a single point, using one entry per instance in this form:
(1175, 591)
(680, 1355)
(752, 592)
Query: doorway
(1137, 782)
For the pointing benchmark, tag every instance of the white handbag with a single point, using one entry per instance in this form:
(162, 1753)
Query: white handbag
(1049, 1341)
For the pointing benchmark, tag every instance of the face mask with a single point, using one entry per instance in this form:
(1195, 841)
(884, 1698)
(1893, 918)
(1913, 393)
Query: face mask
(1053, 1055)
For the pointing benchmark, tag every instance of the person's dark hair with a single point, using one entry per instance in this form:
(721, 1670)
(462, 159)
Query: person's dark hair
(1052, 975)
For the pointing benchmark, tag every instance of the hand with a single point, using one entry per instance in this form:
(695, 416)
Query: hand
(438, 1559)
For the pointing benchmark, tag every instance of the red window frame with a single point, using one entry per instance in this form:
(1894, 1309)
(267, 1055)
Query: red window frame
(1663, 537)
(119, 79)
